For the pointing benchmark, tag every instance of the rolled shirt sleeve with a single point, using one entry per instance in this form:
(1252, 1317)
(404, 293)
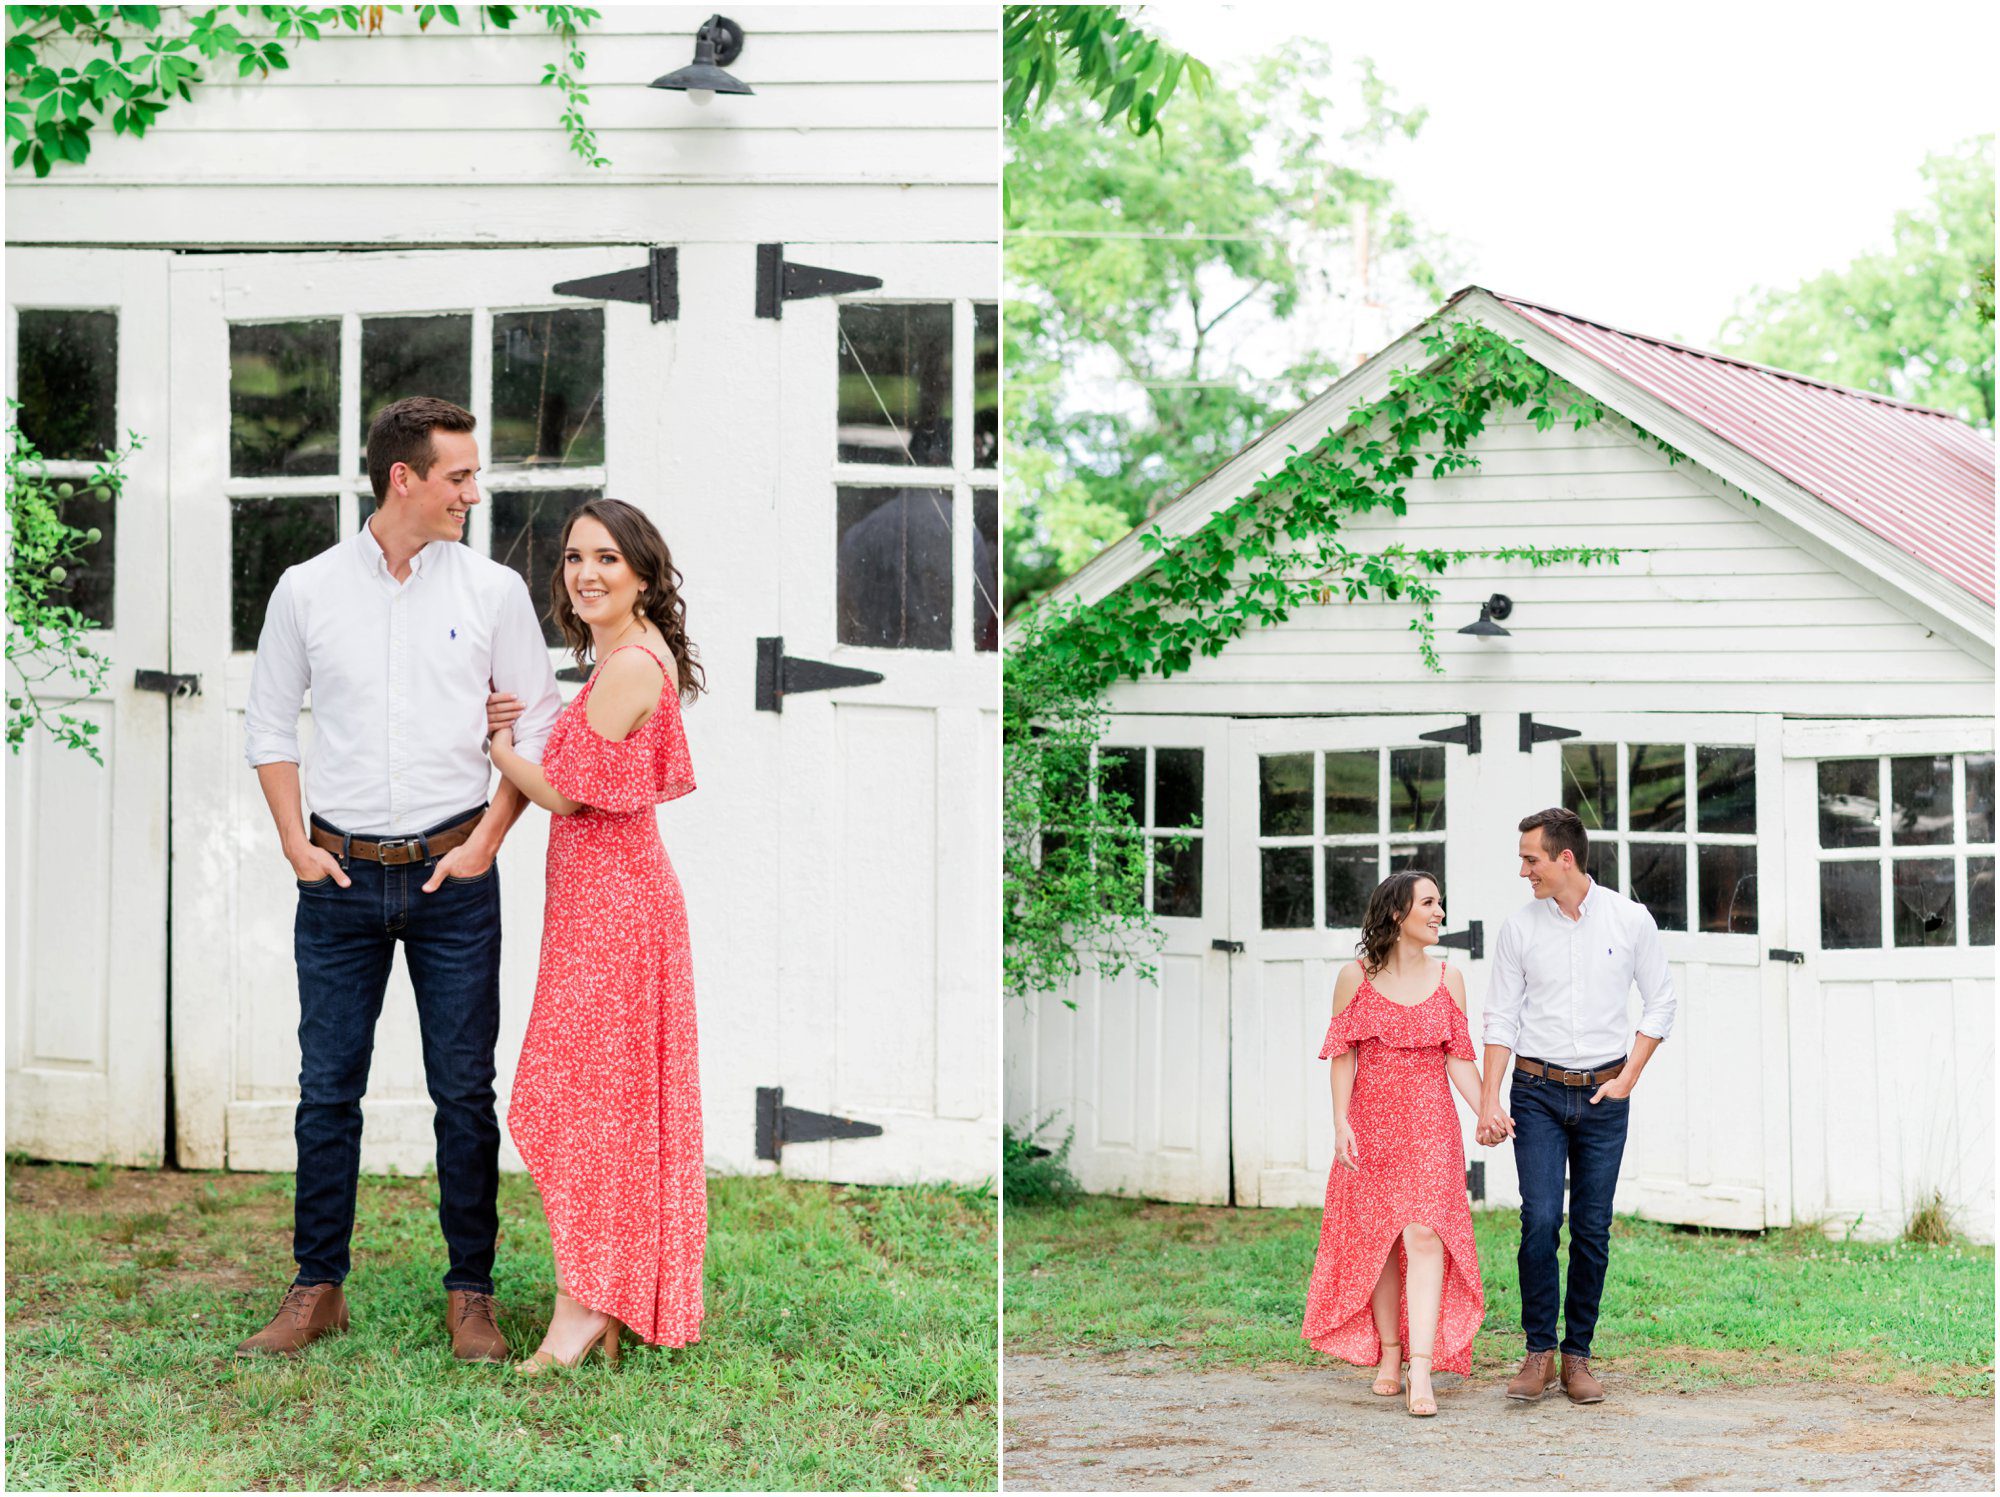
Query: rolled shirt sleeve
(1506, 988)
(521, 669)
(279, 678)
(1649, 970)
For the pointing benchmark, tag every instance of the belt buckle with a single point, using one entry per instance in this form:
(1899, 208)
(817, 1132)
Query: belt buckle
(400, 845)
(1582, 1078)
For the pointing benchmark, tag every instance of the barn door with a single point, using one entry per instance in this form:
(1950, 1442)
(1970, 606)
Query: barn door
(1890, 857)
(1134, 1071)
(1322, 810)
(87, 844)
(1685, 815)
(278, 361)
(880, 662)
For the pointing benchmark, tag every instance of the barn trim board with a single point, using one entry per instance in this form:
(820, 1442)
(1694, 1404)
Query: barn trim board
(1756, 647)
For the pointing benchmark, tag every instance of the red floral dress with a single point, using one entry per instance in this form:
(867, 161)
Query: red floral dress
(606, 1108)
(1412, 1169)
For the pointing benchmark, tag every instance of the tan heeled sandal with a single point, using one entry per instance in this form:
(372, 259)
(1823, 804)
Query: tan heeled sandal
(608, 1343)
(1410, 1394)
(1376, 1387)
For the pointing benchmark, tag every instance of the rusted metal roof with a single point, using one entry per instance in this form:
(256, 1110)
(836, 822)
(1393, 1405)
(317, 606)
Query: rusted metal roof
(1922, 480)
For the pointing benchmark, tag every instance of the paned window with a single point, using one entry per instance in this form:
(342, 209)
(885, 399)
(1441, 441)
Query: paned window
(1673, 826)
(66, 378)
(298, 462)
(1164, 788)
(916, 515)
(1331, 825)
(1906, 851)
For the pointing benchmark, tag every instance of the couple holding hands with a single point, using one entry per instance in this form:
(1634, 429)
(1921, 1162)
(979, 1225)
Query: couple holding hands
(1397, 1275)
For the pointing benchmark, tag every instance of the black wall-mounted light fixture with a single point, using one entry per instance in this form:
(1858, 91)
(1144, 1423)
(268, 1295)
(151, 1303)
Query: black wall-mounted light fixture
(716, 45)
(1487, 626)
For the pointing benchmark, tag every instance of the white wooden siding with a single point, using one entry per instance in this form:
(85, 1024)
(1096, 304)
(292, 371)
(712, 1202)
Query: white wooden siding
(1728, 610)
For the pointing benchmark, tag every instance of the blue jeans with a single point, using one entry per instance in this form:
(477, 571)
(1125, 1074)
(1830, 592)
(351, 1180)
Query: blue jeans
(1556, 1132)
(345, 941)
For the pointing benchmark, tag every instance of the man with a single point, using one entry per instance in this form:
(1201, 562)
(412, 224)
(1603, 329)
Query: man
(397, 632)
(1562, 969)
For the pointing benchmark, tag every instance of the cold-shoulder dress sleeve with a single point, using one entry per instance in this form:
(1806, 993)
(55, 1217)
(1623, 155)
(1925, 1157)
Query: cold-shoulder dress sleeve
(1458, 1043)
(1345, 1032)
(647, 766)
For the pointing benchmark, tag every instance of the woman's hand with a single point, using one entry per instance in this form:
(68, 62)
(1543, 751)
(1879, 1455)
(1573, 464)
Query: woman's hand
(1343, 1145)
(503, 738)
(501, 710)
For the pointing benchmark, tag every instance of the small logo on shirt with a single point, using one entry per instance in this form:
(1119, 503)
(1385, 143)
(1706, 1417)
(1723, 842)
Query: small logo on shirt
(454, 634)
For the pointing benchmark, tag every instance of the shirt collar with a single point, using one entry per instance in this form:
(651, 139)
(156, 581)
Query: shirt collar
(1583, 907)
(376, 560)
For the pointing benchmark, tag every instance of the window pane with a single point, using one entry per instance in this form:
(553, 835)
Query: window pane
(265, 537)
(985, 569)
(1284, 795)
(66, 377)
(405, 356)
(1353, 786)
(1177, 880)
(1288, 888)
(1850, 804)
(1176, 787)
(1600, 861)
(1429, 856)
(895, 568)
(1657, 784)
(1920, 801)
(284, 398)
(1351, 876)
(1416, 789)
(1726, 889)
(527, 526)
(1725, 789)
(986, 385)
(1923, 895)
(92, 575)
(895, 384)
(1122, 771)
(1979, 901)
(1850, 905)
(1659, 881)
(1979, 797)
(1590, 785)
(548, 387)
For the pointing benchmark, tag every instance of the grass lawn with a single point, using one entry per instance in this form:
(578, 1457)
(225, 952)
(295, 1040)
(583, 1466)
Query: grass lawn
(849, 1344)
(1688, 1307)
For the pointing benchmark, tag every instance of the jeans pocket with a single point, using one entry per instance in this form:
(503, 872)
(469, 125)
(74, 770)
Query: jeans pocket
(476, 878)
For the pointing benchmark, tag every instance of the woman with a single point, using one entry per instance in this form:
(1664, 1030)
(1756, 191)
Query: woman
(606, 1108)
(1397, 1267)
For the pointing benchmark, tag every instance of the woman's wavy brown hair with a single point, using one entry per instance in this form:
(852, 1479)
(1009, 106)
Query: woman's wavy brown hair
(1388, 907)
(639, 541)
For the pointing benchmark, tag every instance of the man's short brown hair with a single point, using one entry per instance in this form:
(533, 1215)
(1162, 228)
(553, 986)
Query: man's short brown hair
(401, 433)
(1562, 832)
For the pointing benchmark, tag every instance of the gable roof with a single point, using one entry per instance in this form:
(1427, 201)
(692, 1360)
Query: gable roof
(1900, 494)
(1920, 479)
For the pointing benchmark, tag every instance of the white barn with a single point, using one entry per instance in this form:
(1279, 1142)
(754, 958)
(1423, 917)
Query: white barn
(1775, 713)
(278, 258)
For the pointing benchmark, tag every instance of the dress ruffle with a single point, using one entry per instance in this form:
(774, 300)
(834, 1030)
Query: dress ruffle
(648, 767)
(1413, 1026)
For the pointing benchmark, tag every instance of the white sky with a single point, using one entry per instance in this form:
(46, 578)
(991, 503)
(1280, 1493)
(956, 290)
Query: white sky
(1648, 166)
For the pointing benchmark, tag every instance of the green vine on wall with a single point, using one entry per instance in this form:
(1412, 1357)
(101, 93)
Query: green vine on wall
(70, 67)
(1275, 549)
(46, 636)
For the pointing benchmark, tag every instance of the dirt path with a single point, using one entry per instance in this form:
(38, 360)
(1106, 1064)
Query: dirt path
(1154, 1422)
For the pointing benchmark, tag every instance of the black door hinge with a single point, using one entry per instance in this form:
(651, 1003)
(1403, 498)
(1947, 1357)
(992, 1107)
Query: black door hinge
(1796, 958)
(780, 675)
(1475, 1180)
(1471, 940)
(1467, 734)
(1219, 944)
(656, 284)
(780, 280)
(1533, 732)
(168, 682)
(778, 1125)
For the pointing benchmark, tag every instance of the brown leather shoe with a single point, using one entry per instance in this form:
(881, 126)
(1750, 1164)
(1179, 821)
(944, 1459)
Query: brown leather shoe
(1579, 1382)
(308, 1312)
(474, 1322)
(1537, 1373)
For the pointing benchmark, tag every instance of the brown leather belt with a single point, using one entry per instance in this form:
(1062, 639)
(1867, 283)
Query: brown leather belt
(395, 851)
(1567, 1078)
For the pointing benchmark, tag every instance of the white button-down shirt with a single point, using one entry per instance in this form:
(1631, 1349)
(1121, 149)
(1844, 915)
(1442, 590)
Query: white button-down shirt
(398, 674)
(1559, 987)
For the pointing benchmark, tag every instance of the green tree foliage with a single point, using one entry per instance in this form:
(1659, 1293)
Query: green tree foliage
(1130, 269)
(1101, 50)
(1914, 321)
